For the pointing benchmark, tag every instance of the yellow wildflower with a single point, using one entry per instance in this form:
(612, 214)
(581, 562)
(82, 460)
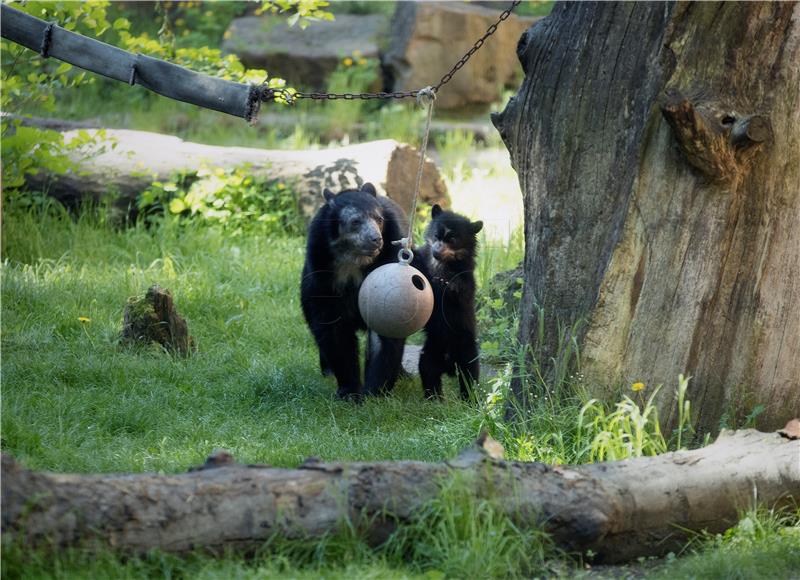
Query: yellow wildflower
(637, 387)
(348, 61)
(362, 61)
(84, 319)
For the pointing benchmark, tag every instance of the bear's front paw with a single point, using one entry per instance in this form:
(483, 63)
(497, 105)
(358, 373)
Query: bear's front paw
(349, 394)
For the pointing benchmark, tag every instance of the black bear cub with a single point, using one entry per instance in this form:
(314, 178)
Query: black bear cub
(448, 260)
(349, 237)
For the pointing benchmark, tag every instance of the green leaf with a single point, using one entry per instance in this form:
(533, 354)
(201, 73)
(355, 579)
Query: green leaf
(177, 205)
(62, 68)
(121, 24)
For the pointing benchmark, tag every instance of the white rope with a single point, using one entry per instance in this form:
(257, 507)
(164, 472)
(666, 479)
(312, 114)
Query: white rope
(425, 97)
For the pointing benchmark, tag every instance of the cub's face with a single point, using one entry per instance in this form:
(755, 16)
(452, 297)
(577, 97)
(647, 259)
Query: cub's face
(450, 236)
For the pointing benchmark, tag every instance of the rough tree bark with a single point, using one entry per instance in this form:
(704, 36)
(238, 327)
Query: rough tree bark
(620, 510)
(658, 150)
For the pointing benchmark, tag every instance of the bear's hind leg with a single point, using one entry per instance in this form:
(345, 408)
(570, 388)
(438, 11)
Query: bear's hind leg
(339, 348)
(384, 363)
(432, 365)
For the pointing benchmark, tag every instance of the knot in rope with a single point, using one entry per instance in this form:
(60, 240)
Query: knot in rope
(426, 96)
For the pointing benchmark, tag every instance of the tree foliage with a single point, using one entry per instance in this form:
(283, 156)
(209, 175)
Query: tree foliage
(187, 29)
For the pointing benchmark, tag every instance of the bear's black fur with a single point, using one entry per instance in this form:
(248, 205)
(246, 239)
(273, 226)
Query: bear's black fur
(448, 261)
(349, 237)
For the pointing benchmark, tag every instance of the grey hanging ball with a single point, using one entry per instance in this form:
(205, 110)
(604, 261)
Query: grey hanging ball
(396, 300)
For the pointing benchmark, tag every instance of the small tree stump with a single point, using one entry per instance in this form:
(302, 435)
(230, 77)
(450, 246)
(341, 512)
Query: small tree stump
(153, 318)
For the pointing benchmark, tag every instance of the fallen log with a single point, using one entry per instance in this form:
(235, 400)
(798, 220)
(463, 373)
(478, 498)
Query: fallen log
(619, 510)
(138, 158)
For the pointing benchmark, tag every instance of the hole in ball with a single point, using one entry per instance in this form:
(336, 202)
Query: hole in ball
(417, 281)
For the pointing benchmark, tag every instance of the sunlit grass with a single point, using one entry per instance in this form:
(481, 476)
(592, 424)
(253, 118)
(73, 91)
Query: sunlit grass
(75, 400)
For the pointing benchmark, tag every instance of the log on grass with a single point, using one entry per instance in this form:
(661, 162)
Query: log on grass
(127, 162)
(620, 510)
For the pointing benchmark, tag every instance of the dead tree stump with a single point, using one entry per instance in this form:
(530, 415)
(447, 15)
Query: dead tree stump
(153, 318)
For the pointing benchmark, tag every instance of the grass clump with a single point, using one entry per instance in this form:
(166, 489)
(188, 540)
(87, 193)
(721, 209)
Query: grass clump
(765, 543)
(459, 536)
(632, 429)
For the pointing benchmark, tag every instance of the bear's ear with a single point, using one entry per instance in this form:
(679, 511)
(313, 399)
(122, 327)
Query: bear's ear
(369, 188)
(328, 195)
(476, 227)
(436, 210)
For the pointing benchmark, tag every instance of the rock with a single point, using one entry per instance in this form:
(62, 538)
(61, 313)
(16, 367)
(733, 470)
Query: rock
(153, 318)
(401, 176)
(427, 38)
(140, 157)
(304, 58)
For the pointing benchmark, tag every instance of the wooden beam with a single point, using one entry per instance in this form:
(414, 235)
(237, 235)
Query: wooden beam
(166, 79)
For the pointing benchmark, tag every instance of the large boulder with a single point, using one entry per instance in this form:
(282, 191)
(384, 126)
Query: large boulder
(427, 38)
(139, 158)
(304, 58)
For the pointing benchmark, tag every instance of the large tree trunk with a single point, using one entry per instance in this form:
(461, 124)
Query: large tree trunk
(619, 510)
(658, 149)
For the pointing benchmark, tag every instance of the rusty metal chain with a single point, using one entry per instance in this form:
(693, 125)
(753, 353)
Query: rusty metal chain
(290, 96)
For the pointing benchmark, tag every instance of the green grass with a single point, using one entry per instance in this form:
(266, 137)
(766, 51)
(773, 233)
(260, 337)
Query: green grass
(764, 544)
(74, 399)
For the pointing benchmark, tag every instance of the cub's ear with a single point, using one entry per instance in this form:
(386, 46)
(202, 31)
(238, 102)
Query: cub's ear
(436, 210)
(328, 195)
(369, 188)
(476, 227)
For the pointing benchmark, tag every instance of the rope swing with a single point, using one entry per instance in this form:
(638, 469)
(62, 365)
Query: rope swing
(396, 300)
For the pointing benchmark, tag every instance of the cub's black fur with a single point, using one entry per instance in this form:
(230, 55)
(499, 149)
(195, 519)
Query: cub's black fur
(448, 260)
(349, 237)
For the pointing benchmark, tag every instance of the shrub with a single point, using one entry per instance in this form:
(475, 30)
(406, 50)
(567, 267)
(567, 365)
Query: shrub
(232, 198)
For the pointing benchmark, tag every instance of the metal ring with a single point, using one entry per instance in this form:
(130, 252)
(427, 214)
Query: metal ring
(404, 256)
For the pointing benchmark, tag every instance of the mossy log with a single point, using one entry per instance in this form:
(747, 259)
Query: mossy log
(619, 510)
(153, 318)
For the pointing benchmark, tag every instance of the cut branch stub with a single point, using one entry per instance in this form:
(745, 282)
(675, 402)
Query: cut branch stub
(720, 146)
(750, 131)
(153, 318)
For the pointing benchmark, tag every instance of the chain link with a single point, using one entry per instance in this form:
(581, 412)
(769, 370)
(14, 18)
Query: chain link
(290, 96)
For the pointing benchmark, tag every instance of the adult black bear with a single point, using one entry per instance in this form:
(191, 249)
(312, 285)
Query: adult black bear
(448, 260)
(349, 237)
